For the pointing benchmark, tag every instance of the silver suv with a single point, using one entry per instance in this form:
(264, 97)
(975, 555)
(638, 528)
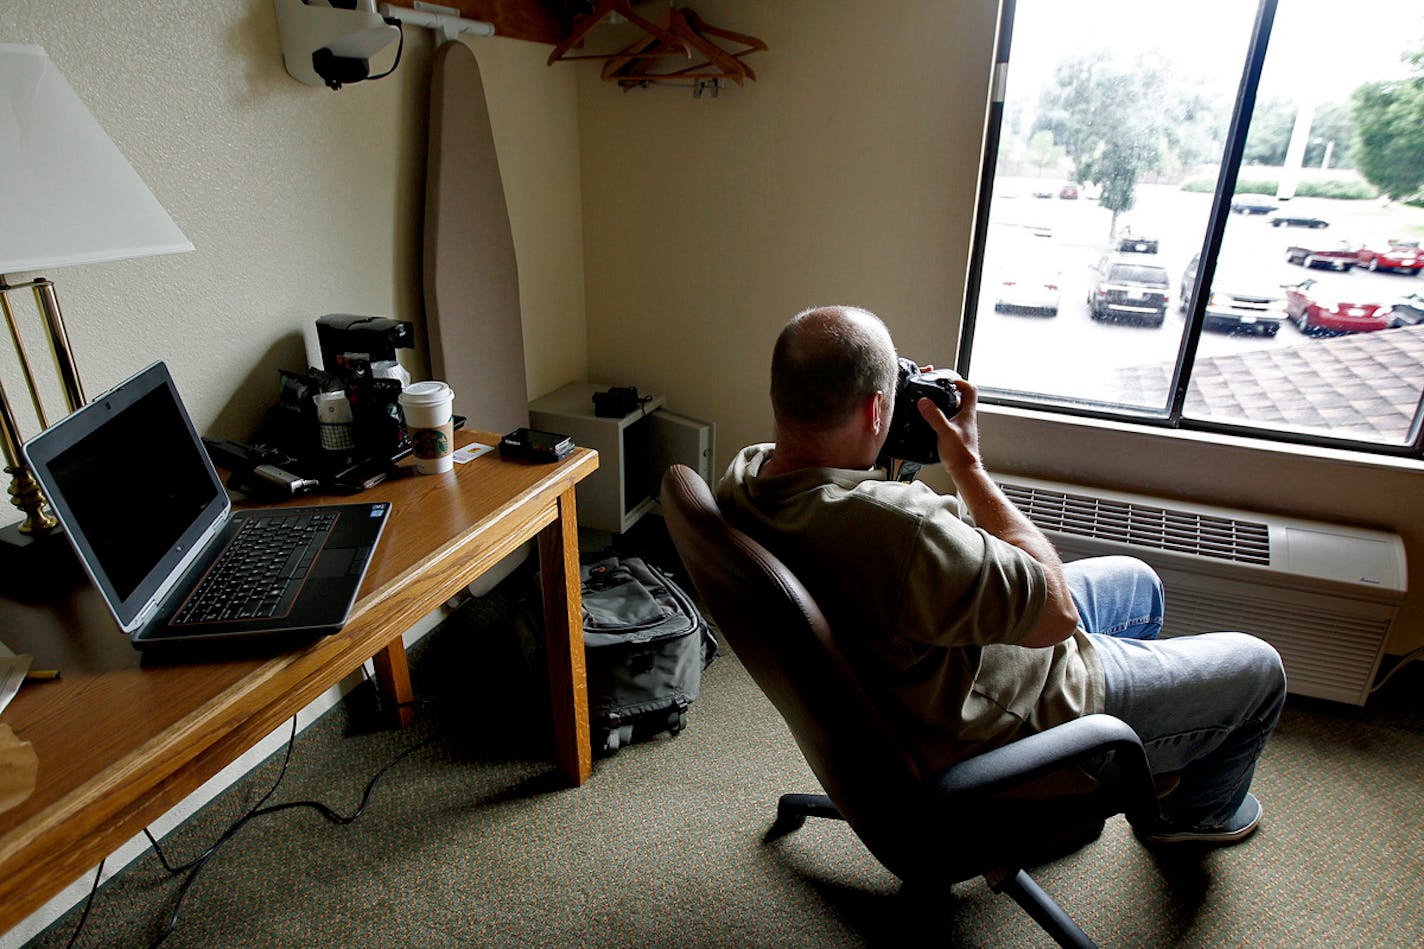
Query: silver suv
(1236, 305)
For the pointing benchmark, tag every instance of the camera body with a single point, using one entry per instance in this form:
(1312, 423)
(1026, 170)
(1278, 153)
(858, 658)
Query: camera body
(911, 438)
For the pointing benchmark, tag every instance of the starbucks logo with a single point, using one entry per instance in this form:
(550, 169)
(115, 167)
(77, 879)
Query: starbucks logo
(430, 442)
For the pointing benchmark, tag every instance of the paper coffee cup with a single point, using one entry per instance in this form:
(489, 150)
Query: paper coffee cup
(429, 409)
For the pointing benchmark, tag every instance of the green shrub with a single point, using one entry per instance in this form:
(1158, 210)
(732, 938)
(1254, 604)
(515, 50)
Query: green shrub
(1257, 187)
(1348, 190)
(1331, 188)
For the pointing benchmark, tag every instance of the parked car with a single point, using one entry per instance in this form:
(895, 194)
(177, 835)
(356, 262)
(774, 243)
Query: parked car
(1130, 243)
(1319, 316)
(1034, 290)
(1401, 256)
(1298, 220)
(1129, 288)
(1337, 255)
(1236, 303)
(1068, 192)
(1253, 204)
(1407, 311)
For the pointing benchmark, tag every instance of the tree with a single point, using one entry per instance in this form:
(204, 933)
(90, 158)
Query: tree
(1116, 122)
(1389, 118)
(1334, 122)
(1043, 151)
(1270, 132)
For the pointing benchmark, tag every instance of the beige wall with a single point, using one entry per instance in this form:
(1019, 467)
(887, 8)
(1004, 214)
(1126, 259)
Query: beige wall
(300, 201)
(847, 174)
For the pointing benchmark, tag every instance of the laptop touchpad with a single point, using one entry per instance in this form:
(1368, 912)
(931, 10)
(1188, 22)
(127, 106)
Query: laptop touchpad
(332, 563)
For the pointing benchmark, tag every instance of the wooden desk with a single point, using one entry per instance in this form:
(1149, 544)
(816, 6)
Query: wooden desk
(120, 742)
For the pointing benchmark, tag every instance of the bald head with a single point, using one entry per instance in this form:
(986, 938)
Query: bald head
(827, 361)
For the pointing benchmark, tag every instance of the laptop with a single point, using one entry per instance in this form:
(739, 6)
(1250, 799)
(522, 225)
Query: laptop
(150, 520)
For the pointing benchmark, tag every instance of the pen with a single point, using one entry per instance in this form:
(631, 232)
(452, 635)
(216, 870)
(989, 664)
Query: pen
(41, 675)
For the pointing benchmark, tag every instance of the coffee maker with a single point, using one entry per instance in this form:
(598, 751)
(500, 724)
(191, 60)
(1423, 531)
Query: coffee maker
(363, 347)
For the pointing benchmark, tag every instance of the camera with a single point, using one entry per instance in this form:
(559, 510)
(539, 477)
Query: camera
(911, 438)
(618, 401)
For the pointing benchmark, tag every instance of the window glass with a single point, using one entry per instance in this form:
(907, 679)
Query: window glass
(1110, 105)
(1319, 269)
(1115, 122)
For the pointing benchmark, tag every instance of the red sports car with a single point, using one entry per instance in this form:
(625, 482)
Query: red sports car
(1399, 255)
(1337, 255)
(1317, 316)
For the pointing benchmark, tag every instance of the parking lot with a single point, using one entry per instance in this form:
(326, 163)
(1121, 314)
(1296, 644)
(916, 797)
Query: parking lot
(1071, 355)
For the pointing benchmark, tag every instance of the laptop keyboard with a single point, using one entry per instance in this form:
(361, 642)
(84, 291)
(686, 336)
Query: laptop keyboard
(259, 572)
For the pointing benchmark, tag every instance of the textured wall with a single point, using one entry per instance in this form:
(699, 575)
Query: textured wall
(300, 201)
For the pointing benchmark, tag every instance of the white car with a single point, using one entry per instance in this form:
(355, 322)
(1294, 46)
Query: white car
(1031, 290)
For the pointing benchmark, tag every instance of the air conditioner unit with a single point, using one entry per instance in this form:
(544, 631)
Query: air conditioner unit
(1324, 595)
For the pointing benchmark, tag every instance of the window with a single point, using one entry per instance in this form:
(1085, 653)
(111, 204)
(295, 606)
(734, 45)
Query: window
(1206, 216)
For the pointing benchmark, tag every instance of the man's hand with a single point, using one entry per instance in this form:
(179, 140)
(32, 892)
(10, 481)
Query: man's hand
(958, 437)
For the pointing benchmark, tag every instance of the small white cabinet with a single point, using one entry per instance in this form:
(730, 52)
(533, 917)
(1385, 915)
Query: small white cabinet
(633, 451)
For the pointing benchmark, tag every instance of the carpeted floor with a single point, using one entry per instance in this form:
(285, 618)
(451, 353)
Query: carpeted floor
(471, 840)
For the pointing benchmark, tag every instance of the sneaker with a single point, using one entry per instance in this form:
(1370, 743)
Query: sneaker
(1241, 825)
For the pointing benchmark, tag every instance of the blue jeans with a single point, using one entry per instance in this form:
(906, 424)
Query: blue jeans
(1203, 705)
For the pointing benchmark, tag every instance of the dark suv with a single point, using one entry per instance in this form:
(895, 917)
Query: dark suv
(1129, 288)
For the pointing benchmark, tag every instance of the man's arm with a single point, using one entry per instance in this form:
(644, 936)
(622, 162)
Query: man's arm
(995, 513)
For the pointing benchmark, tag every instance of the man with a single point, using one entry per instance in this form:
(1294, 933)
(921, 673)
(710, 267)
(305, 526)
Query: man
(957, 612)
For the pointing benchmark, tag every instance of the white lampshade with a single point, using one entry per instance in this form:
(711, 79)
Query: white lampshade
(67, 194)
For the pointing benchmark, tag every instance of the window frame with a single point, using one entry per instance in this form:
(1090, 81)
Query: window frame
(1174, 418)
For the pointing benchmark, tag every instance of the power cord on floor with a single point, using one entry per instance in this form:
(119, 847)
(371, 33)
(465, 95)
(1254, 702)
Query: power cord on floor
(87, 903)
(195, 866)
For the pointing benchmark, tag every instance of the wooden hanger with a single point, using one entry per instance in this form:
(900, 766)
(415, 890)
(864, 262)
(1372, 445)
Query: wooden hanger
(632, 67)
(584, 24)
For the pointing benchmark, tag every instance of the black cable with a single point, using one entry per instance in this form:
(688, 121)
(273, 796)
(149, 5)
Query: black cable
(399, 47)
(330, 814)
(84, 916)
(197, 864)
(235, 825)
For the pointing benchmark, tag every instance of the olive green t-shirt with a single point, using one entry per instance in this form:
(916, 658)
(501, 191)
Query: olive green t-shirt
(927, 607)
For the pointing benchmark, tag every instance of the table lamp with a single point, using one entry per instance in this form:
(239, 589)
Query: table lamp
(67, 196)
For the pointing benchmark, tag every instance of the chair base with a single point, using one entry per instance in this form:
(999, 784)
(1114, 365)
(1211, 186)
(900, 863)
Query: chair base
(1048, 914)
(793, 809)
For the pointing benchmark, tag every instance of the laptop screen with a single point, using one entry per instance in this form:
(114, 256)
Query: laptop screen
(130, 480)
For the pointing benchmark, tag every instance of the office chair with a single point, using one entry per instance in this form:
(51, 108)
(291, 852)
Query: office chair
(991, 815)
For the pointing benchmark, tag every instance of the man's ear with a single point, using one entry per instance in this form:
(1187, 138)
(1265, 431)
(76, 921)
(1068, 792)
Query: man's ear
(878, 418)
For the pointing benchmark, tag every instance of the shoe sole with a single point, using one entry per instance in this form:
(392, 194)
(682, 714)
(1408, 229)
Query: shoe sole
(1212, 837)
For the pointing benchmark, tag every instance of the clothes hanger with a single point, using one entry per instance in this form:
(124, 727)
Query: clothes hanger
(584, 25)
(701, 26)
(631, 66)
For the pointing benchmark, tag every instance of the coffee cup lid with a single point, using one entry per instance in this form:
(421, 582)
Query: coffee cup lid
(426, 393)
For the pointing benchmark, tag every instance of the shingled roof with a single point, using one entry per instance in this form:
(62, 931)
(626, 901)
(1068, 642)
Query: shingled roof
(1365, 386)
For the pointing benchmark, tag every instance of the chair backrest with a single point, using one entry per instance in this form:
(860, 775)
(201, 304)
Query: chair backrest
(780, 635)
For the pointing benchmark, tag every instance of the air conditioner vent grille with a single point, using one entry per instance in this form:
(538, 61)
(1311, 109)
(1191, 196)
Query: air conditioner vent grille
(1143, 525)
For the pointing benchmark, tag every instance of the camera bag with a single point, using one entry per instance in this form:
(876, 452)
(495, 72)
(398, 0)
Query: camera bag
(645, 646)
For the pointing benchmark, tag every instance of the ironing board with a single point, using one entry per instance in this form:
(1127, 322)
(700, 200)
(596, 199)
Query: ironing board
(471, 278)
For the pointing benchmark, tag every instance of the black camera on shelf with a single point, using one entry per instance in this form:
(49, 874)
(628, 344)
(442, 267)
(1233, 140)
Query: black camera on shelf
(911, 438)
(618, 401)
